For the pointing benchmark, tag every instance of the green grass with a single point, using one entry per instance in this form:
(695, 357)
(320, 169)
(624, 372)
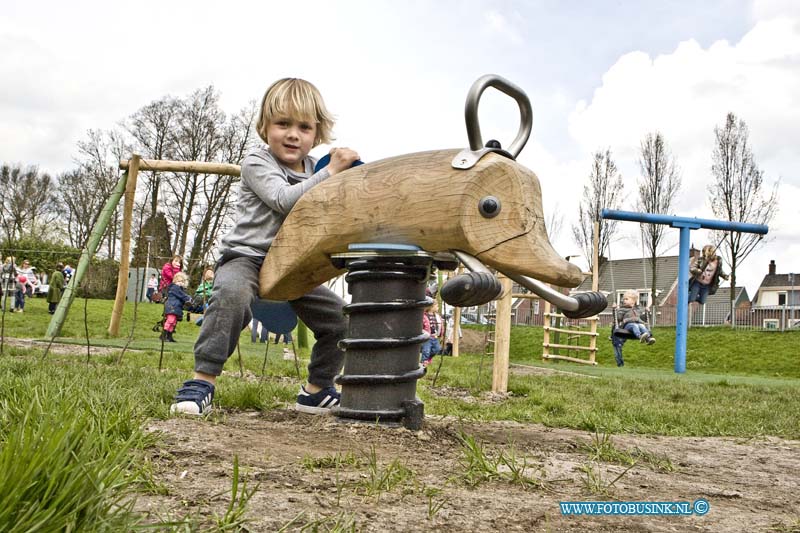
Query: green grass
(63, 408)
(713, 350)
(661, 403)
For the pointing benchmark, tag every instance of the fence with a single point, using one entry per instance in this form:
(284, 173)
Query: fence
(776, 318)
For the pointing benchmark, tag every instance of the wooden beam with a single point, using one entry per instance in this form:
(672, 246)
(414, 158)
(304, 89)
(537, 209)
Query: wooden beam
(502, 341)
(568, 346)
(125, 253)
(457, 322)
(546, 332)
(573, 359)
(570, 331)
(199, 167)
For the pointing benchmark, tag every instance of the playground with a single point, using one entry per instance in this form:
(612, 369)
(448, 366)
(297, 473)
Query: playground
(725, 432)
(506, 434)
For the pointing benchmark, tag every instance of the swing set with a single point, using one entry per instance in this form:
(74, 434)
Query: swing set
(685, 225)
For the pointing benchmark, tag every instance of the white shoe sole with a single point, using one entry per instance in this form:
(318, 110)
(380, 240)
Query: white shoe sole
(312, 410)
(188, 408)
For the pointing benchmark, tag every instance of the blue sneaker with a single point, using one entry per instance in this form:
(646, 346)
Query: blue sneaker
(193, 398)
(319, 403)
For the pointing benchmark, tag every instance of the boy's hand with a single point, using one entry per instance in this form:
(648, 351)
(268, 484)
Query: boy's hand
(341, 159)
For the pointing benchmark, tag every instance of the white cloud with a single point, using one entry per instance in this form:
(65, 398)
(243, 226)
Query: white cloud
(686, 94)
(497, 23)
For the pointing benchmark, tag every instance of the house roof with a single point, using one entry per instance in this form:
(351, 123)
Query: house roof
(626, 274)
(779, 280)
(636, 274)
(723, 296)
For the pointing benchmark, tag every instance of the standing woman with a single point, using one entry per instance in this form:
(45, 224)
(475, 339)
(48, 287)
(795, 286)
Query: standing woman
(56, 288)
(168, 272)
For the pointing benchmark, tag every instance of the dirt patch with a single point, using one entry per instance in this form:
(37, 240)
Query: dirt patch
(60, 349)
(472, 341)
(750, 485)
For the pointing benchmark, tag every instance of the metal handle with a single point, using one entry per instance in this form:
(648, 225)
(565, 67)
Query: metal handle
(504, 86)
(579, 306)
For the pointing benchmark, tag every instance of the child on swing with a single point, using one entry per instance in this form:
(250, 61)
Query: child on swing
(706, 270)
(631, 317)
(293, 119)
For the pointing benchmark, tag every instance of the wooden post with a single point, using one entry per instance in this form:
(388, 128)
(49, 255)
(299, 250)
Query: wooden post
(502, 339)
(200, 167)
(456, 329)
(125, 254)
(457, 322)
(546, 332)
(595, 288)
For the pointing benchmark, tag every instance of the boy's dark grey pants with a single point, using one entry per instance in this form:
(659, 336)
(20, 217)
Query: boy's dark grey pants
(228, 313)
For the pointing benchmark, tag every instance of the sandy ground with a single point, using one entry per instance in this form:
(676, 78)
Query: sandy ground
(750, 485)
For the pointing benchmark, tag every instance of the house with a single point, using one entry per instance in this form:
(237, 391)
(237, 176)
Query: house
(777, 300)
(778, 289)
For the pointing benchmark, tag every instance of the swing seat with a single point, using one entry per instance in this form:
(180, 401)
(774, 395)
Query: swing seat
(622, 333)
(278, 317)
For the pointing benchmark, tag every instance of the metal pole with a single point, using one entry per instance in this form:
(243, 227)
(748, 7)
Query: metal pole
(683, 302)
(146, 276)
(793, 298)
(675, 221)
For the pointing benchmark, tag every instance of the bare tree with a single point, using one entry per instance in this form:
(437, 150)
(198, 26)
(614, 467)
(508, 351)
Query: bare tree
(553, 223)
(197, 137)
(79, 206)
(237, 138)
(152, 128)
(658, 186)
(737, 193)
(98, 157)
(27, 204)
(197, 207)
(603, 192)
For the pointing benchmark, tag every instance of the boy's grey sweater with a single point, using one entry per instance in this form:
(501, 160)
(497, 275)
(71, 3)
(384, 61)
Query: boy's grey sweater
(626, 315)
(267, 192)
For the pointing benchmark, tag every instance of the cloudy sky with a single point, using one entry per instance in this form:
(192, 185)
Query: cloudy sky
(600, 74)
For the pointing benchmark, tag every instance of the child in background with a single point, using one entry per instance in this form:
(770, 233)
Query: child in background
(152, 285)
(431, 324)
(631, 317)
(19, 293)
(203, 292)
(168, 272)
(173, 308)
(293, 119)
(451, 328)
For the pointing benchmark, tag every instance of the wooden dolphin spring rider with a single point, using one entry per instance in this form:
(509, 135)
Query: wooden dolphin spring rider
(480, 207)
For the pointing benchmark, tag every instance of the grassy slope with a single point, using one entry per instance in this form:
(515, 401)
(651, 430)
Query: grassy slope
(743, 383)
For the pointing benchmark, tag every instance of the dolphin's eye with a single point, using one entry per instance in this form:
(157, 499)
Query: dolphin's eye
(489, 206)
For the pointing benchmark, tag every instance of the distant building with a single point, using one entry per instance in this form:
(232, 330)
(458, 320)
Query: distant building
(621, 275)
(777, 300)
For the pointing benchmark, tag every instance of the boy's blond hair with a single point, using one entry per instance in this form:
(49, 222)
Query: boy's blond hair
(299, 100)
(632, 294)
(180, 279)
